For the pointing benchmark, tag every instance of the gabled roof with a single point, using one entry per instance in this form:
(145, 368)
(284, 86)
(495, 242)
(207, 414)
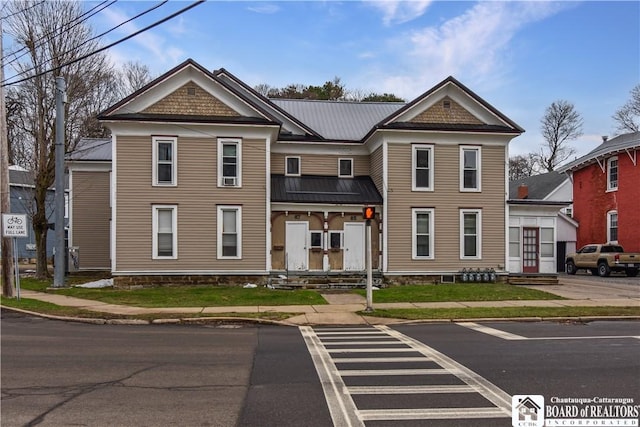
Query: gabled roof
(92, 149)
(538, 186)
(324, 189)
(621, 143)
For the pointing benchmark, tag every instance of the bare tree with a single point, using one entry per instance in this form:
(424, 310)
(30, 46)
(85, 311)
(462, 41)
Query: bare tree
(131, 77)
(560, 125)
(522, 166)
(52, 34)
(628, 116)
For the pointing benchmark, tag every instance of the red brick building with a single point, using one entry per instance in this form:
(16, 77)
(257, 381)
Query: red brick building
(606, 193)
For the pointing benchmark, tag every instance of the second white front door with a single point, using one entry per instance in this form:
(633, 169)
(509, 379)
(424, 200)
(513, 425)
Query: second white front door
(297, 254)
(354, 246)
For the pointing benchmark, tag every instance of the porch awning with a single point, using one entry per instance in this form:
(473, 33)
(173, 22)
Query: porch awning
(324, 189)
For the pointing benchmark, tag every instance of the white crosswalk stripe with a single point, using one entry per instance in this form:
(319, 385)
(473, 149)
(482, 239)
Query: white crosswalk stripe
(335, 352)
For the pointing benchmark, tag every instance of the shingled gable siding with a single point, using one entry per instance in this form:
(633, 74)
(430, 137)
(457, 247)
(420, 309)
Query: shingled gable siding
(446, 200)
(91, 214)
(200, 103)
(196, 197)
(437, 113)
(315, 164)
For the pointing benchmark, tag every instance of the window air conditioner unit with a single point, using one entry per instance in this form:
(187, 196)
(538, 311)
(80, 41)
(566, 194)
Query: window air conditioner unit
(229, 181)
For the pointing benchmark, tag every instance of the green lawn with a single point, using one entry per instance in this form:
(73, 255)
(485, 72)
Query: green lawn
(457, 292)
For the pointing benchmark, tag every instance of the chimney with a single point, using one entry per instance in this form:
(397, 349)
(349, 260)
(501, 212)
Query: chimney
(523, 191)
(604, 138)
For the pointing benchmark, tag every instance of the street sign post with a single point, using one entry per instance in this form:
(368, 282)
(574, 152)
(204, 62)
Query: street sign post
(15, 225)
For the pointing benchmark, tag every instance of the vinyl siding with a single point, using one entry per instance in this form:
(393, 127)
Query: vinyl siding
(91, 216)
(376, 169)
(314, 164)
(196, 197)
(446, 200)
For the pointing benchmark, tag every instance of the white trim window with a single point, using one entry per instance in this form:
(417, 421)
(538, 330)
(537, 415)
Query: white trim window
(336, 240)
(315, 239)
(470, 168)
(345, 168)
(470, 233)
(164, 161)
(612, 173)
(229, 162)
(547, 245)
(229, 232)
(421, 167)
(612, 226)
(292, 166)
(514, 242)
(165, 232)
(423, 233)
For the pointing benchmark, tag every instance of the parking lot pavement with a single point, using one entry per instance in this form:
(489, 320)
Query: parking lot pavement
(586, 286)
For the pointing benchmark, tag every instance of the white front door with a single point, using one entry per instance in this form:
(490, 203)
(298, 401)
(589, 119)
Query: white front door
(297, 255)
(354, 246)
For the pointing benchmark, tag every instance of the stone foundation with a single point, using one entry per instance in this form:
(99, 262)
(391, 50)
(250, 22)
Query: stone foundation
(129, 282)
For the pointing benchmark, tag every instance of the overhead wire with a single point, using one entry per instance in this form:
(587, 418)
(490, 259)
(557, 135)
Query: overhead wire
(58, 31)
(6, 82)
(99, 35)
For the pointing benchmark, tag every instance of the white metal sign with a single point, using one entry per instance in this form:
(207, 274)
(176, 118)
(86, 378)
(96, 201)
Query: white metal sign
(14, 225)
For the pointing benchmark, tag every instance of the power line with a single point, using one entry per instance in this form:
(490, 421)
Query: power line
(23, 10)
(98, 36)
(80, 19)
(181, 11)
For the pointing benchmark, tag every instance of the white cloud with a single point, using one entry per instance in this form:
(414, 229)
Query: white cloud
(475, 44)
(400, 11)
(144, 45)
(266, 8)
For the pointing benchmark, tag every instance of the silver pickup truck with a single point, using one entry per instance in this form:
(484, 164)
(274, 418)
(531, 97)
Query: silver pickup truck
(603, 259)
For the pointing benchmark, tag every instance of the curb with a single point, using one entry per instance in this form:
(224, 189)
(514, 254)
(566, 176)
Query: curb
(248, 320)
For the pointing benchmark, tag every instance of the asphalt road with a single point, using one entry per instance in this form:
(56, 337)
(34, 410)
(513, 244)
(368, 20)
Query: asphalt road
(69, 374)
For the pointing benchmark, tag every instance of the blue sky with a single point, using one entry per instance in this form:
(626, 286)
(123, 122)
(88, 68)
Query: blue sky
(519, 56)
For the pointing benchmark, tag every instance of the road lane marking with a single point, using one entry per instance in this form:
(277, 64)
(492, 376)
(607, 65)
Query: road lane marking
(411, 389)
(513, 337)
(341, 406)
(387, 372)
(491, 331)
(395, 342)
(485, 388)
(333, 379)
(429, 414)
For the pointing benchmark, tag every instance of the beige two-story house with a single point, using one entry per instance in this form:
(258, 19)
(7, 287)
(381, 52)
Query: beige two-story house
(211, 182)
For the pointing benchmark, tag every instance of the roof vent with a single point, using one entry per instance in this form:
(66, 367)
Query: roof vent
(191, 91)
(604, 138)
(446, 104)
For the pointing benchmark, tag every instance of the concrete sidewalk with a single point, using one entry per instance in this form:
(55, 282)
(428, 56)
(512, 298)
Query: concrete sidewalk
(342, 309)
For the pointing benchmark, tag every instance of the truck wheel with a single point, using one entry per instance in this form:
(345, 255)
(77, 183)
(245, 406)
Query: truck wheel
(631, 272)
(571, 267)
(603, 269)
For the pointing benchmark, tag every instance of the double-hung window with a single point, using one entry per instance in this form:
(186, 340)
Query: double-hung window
(514, 242)
(292, 166)
(612, 173)
(612, 226)
(229, 162)
(470, 168)
(165, 235)
(229, 232)
(547, 245)
(164, 160)
(345, 168)
(470, 233)
(423, 233)
(422, 167)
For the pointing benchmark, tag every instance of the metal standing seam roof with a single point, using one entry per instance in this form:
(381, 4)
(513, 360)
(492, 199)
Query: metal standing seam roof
(339, 120)
(92, 149)
(614, 145)
(324, 189)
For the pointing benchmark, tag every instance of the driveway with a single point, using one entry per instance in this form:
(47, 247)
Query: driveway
(587, 286)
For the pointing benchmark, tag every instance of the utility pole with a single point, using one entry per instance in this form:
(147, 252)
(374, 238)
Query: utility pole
(60, 256)
(5, 202)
